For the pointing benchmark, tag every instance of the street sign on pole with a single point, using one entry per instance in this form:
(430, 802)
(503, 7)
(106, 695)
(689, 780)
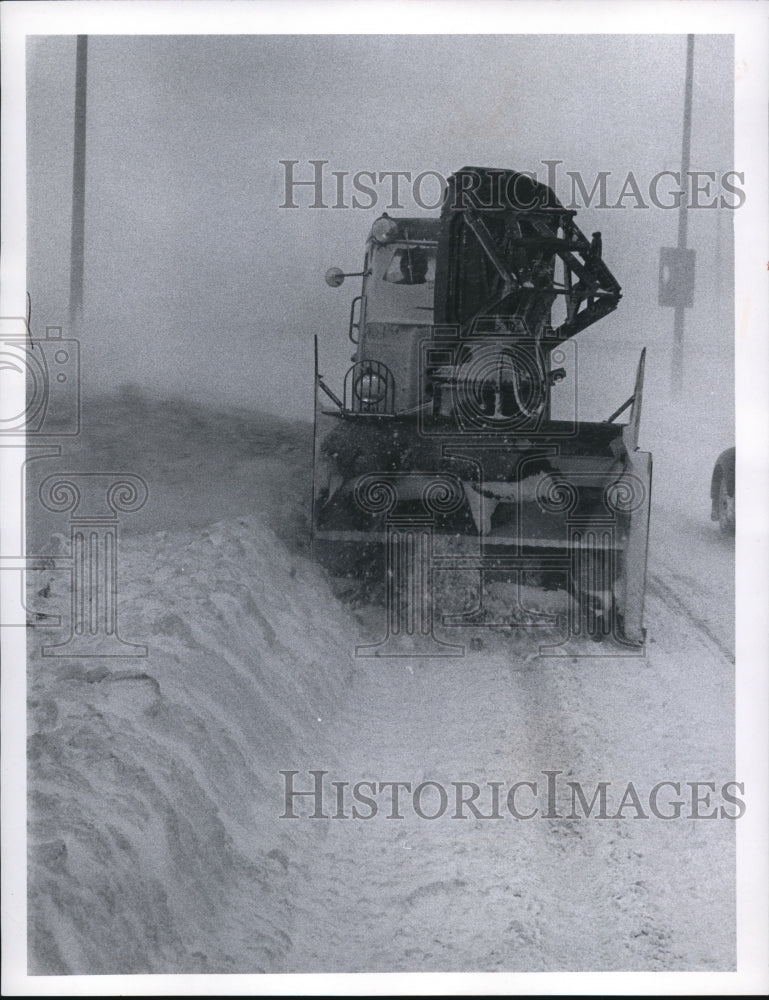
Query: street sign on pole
(679, 262)
(676, 284)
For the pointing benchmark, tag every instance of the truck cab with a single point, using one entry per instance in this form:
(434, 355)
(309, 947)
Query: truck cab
(392, 315)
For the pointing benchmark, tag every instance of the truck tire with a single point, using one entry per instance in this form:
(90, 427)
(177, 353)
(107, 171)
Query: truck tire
(726, 513)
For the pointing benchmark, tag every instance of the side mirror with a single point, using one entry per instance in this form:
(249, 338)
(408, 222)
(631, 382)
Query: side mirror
(334, 277)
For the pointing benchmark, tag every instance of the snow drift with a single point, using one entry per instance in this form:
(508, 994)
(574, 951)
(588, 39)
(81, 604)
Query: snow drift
(149, 778)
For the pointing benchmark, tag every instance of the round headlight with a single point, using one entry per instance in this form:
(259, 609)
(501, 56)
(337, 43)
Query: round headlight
(370, 388)
(384, 229)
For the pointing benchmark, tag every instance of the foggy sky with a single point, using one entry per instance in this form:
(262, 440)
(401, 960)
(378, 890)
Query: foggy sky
(197, 282)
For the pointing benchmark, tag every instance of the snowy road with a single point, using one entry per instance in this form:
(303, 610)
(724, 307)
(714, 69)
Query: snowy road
(540, 894)
(156, 792)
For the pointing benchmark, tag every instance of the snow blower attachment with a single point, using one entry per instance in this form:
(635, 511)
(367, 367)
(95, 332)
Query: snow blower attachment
(452, 446)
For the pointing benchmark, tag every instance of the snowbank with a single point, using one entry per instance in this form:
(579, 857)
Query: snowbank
(153, 781)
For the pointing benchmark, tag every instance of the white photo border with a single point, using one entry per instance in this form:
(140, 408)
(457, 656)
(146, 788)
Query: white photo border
(747, 22)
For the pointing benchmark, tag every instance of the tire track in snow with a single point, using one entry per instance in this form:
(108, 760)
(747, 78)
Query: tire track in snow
(666, 592)
(486, 895)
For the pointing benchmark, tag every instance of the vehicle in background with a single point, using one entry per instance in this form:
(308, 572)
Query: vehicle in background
(722, 491)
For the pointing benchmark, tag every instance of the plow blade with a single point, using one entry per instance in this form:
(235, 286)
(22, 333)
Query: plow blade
(568, 511)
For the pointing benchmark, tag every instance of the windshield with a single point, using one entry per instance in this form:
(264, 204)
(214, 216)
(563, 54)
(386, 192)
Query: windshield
(411, 266)
(401, 285)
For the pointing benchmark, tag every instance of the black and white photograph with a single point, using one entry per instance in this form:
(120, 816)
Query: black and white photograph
(380, 385)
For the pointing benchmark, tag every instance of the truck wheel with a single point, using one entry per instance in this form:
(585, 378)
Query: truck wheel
(726, 513)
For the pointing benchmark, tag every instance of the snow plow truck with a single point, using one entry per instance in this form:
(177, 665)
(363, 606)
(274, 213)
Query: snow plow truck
(443, 448)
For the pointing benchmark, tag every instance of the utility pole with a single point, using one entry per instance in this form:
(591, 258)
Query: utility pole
(677, 372)
(78, 190)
